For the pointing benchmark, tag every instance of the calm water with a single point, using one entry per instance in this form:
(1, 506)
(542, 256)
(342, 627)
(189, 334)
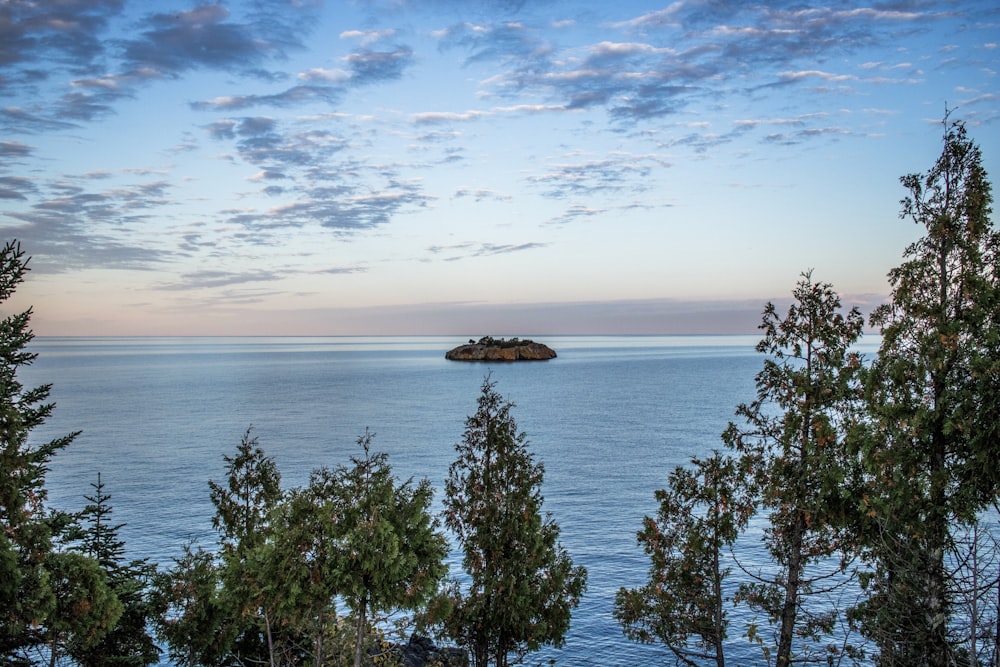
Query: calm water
(609, 418)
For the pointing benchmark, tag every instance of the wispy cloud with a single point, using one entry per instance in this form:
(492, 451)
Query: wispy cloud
(614, 173)
(458, 251)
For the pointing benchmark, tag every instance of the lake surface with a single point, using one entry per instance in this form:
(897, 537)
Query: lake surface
(609, 418)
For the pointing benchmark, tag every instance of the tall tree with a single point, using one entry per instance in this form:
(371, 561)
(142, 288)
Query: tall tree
(523, 585)
(35, 582)
(701, 513)
(299, 565)
(794, 439)
(128, 642)
(934, 393)
(390, 554)
(243, 508)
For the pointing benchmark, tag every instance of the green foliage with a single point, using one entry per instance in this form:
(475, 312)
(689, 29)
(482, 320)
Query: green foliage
(490, 341)
(390, 554)
(354, 533)
(244, 506)
(85, 606)
(127, 642)
(794, 439)
(933, 393)
(244, 503)
(701, 513)
(523, 585)
(46, 597)
(190, 614)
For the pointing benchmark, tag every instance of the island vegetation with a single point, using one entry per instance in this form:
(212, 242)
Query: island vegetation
(488, 348)
(874, 480)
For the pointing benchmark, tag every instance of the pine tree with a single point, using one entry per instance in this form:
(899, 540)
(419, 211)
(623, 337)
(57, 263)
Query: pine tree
(523, 585)
(299, 567)
(128, 641)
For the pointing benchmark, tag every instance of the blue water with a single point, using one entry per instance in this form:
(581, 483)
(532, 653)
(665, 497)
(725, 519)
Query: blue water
(609, 418)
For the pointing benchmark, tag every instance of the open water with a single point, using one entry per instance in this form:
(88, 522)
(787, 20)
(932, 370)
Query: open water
(609, 418)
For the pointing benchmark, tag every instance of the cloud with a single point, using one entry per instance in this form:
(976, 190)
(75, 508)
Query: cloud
(468, 249)
(367, 66)
(339, 76)
(294, 96)
(368, 37)
(481, 194)
(67, 32)
(669, 59)
(214, 278)
(793, 138)
(15, 187)
(507, 41)
(339, 209)
(440, 117)
(18, 119)
(576, 212)
(43, 44)
(615, 173)
(10, 150)
(69, 224)
(204, 37)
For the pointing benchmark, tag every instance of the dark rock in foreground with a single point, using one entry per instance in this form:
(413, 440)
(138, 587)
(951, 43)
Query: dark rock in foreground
(499, 349)
(421, 652)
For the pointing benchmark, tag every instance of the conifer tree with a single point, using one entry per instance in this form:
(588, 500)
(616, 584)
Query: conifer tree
(86, 608)
(523, 585)
(244, 505)
(794, 438)
(701, 513)
(390, 554)
(190, 614)
(934, 397)
(128, 641)
(299, 568)
(37, 583)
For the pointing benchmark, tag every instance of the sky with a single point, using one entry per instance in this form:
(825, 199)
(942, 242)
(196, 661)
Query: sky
(470, 167)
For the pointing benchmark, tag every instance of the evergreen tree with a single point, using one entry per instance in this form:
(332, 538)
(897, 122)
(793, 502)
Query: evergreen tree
(701, 513)
(36, 583)
(390, 555)
(244, 505)
(299, 567)
(934, 394)
(794, 439)
(523, 585)
(189, 611)
(128, 642)
(86, 608)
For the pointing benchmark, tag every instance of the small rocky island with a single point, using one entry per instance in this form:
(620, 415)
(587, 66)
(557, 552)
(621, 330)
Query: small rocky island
(501, 349)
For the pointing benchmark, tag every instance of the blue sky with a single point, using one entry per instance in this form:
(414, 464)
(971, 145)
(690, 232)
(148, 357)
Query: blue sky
(470, 167)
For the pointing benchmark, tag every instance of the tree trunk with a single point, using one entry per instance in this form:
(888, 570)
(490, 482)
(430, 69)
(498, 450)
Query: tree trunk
(717, 612)
(270, 639)
(790, 607)
(359, 639)
(938, 650)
